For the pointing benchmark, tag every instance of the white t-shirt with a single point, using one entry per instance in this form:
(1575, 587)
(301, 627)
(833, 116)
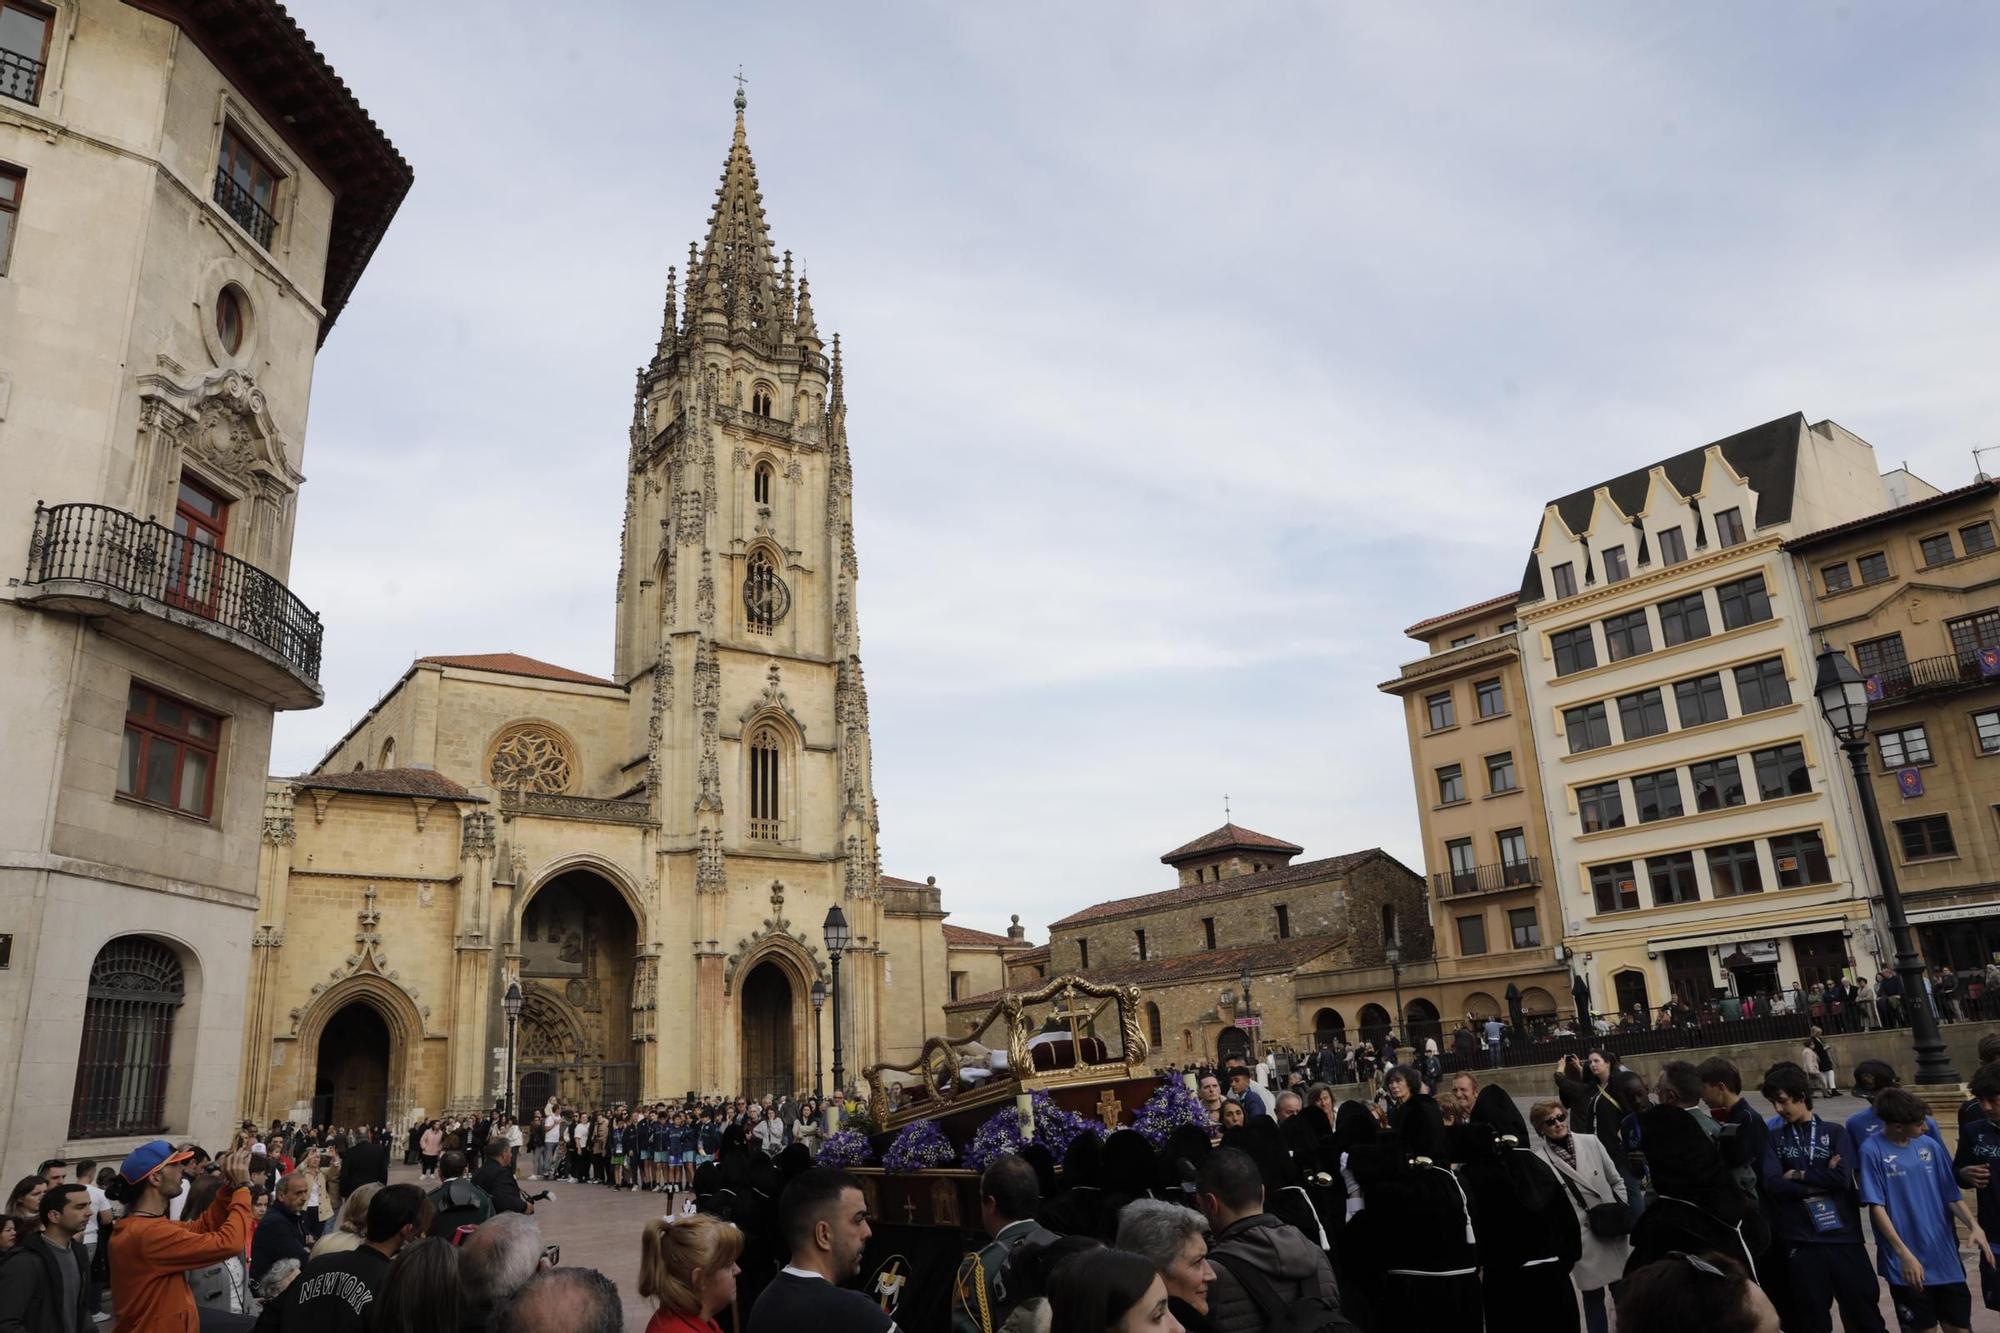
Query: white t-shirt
(98, 1204)
(179, 1200)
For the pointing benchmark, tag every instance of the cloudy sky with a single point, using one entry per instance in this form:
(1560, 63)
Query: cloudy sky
(1192, 351)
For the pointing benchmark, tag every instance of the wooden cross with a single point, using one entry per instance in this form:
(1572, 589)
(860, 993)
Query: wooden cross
(1108, 1109)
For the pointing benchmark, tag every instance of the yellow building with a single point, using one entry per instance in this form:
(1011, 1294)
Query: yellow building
(1701, 837)
(1493, 902)
(188, 196)
(652, 853)
(1912, 595)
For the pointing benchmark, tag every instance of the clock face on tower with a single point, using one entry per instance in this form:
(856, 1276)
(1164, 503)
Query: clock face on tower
(766, 599)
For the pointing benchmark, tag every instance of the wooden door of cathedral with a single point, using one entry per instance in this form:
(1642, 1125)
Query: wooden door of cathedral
(767, 1063)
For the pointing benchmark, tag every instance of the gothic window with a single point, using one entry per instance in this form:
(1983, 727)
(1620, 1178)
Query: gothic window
(760, 484)
(1153, 1024)
(388, 753)
(532, 757)
(760, 400)
(765, 596)
(764, 784)
(136, 987)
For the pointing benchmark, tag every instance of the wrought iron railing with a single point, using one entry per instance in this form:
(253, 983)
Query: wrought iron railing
(1488, 879)
(1930, 675)
(240, 204)
(21, 77)
(108, 548)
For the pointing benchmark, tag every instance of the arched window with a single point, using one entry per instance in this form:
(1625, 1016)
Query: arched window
(136, 985)
(765, 597)
(760, 400)
(760, 484)
(764, 785)
(1153, 1024)
(388, 753)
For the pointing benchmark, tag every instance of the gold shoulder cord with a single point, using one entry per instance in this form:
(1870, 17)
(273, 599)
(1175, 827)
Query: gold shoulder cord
(978, 1269)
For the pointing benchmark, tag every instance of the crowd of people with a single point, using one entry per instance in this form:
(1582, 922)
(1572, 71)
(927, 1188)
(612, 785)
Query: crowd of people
(1667, 1203)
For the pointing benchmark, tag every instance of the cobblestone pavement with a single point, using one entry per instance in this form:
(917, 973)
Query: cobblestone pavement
(599, 1228)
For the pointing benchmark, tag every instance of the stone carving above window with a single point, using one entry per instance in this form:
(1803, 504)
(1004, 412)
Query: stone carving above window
(532, 757)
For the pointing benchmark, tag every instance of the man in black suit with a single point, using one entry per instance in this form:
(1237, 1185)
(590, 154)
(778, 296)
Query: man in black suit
(498, 1180)
(365, 1162)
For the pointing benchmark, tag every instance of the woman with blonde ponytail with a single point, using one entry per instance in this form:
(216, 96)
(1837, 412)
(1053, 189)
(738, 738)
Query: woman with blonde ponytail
(688, 1265)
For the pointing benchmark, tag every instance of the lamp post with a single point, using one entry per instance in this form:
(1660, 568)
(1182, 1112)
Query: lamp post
(1243, 980)
(512, 1004)
(1393, 956)
(1843, 700)
(835, 930)
(819, 1003)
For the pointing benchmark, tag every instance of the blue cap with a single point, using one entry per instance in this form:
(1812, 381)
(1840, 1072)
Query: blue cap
(147, 1158)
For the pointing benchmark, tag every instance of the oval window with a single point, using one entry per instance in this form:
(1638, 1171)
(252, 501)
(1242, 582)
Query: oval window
(229, 320)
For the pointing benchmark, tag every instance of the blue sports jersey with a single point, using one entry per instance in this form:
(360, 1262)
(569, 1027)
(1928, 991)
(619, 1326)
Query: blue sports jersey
(1979, 1145)
(1865, 1124)
(1914, 1181)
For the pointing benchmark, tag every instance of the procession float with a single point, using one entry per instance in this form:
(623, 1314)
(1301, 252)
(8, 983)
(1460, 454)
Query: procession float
(1066, 1057)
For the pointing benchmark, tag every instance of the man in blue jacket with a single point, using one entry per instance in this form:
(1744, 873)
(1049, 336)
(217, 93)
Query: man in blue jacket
(1978, 1165)
(1807, 1174)
(285, 1232)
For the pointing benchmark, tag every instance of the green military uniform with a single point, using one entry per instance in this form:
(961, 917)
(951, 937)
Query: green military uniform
(979, 1300)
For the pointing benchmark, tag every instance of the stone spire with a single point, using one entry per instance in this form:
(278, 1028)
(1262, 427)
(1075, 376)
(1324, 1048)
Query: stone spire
(739, 270)
(669, 322)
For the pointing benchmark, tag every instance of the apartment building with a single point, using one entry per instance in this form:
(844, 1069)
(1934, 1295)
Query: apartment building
(1493, 901)
(1912, 595)
(1701, 836)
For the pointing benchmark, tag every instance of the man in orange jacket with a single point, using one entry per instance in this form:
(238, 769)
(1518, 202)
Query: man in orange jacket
(150, 1254)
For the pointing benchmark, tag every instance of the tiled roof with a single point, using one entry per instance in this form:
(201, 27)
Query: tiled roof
(1229, 835)
(967, 937)
(389, 782)
(513, 664)
(893, 882)
(1765, 456)
(1892, 515)
(1490, 604)
(1038, 954)
(1185, 895)
(1264, 959)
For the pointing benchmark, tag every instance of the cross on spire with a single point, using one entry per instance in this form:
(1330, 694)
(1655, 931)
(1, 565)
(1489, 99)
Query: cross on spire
(1225, 807)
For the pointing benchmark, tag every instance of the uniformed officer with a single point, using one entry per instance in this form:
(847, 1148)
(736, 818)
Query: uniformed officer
(1009, 1197)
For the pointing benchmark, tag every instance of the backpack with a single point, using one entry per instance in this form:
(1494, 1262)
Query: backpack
(1307, 1314)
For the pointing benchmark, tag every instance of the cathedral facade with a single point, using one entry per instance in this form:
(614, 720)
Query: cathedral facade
(651, 854)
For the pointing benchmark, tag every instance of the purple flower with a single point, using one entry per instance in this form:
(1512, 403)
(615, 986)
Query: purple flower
(1055, 1129)
(847, 1147)
(1169, 1108)
(919, 1146)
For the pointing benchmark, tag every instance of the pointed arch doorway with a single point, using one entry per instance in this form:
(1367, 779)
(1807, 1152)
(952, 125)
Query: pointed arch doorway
(770, 1023)
(351, 1086)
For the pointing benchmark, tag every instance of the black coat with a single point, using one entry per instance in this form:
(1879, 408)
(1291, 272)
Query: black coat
(363, 1163)
(31, 1288)
(501, 1186)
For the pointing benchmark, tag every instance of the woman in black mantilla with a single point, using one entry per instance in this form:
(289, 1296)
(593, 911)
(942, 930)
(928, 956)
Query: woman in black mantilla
(1696, 1205)
(1418, 1225)
(1529, 1238)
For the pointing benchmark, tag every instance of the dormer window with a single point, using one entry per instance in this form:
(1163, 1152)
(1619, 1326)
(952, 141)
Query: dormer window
(1615, 568)
(1564, 576)
(1673, 546)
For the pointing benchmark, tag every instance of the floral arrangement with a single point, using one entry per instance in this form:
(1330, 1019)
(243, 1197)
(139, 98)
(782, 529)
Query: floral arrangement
(1172, 1106)
(1055, 1129)
(919, 1146)
(846, 1147)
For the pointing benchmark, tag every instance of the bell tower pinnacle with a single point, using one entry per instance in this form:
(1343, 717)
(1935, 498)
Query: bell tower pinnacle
(738, 628)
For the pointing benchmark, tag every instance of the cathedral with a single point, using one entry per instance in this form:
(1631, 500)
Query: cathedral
(650, 855)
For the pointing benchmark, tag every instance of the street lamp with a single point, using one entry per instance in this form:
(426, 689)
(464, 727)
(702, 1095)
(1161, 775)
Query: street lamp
(1843, 700)
(1243, 980)
(819, 1003)
(512, 1004)
(1393, 956)
(835, 930)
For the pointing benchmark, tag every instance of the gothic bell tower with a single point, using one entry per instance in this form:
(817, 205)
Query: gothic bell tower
(738, 636)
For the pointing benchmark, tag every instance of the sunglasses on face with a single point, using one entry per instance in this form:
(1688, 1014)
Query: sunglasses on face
(1555, 1120)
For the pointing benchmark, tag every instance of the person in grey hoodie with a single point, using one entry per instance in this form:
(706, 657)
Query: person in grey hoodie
(1230, 1194)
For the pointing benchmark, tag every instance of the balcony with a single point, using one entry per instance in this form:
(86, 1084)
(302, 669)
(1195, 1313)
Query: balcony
(188, 602)
(1929, 676)
(240, 204)
(1496, 878)
(21, 77)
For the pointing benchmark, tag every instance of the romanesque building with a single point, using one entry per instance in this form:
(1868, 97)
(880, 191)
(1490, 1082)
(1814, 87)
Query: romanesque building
(188, 196)
(651, 853)
(1311, 937)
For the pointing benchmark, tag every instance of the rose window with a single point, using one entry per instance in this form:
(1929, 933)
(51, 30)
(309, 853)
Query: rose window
(532, 758)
